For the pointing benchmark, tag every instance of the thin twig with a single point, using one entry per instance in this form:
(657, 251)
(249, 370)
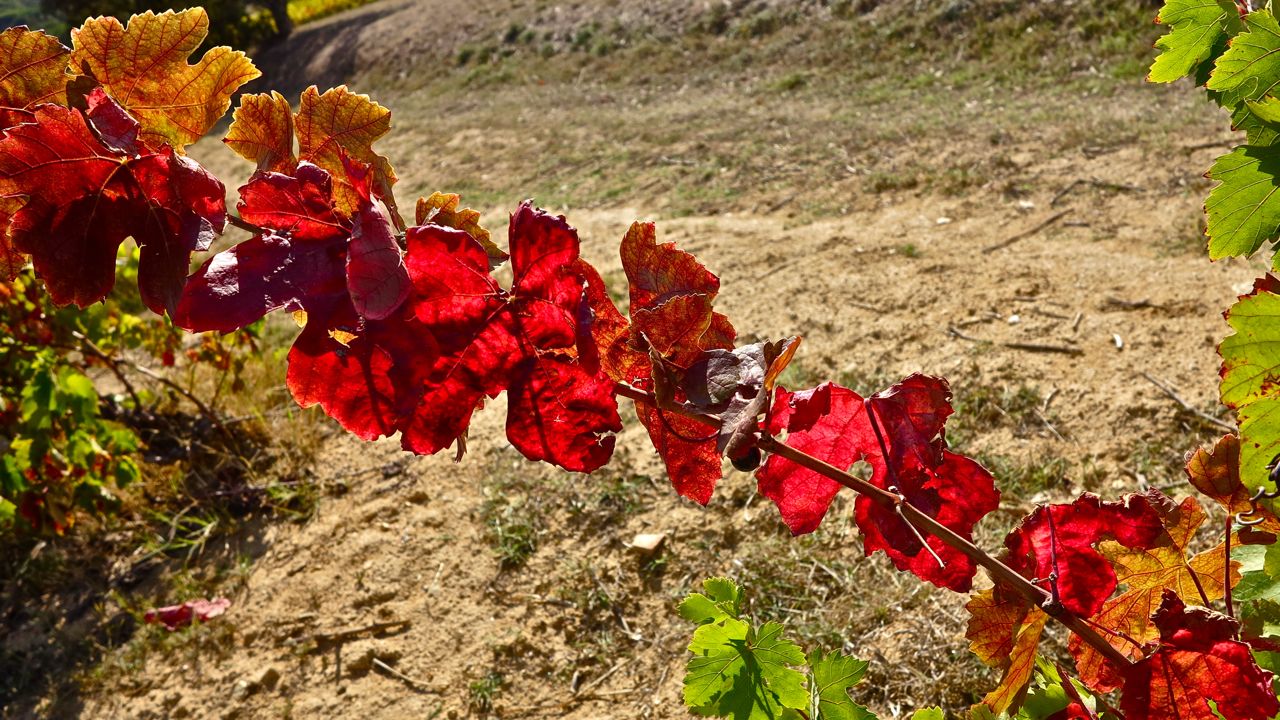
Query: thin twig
(1100, 184)
(1207, 145)
(1226, 569)
(144, 370)
(1169, 392)
(605, 676)
(1026, 233)
(327, 639)
(1029, 347)
(1038, 347)
(1048, 424)
(237, 221)
(416, 684)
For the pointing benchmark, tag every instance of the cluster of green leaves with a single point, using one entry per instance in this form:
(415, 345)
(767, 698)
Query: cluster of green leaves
(1235, 55)
(745, 671)
(741, 670)
(1259, 595)
(61, 454)
(63, 449)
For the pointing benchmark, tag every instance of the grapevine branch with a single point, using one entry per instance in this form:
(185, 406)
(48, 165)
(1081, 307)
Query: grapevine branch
(918, 520)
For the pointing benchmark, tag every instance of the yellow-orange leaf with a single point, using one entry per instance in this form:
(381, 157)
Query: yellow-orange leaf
(1004, 632)
(444, 209)
(33, 70)
(342, 120)
(262, 132)
(144, 68)
(1147, 573)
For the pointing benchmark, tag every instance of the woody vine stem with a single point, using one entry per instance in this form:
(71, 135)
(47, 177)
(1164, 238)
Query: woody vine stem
(918, 520)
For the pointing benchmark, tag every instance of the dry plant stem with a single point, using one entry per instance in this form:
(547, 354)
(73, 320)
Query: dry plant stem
(1002, 573)
(237, 221)
(114, 362)
(1226, 579)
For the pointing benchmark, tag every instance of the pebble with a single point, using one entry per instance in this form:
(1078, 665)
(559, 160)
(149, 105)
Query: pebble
(242, 690)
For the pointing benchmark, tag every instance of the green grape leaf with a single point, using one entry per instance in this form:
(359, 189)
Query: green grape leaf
(1266, 109)
(1260, 120)
(1244, 208)
(929, 713)
(1261, 619)
(1258, 131)
(1256, 583)
(1250, 382)
(723, 600)
(833, 675)
(1195, 28)
(1243, 76)
(740, 673)
(1251, 64)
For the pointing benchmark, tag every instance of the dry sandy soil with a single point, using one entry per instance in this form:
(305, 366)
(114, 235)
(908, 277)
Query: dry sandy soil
(837, 208)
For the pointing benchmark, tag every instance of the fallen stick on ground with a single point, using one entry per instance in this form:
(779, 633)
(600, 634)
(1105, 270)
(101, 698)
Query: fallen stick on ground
(416, 684)
(1100, 184)
(1026, 233)
(1169, 392)
(1029, 347)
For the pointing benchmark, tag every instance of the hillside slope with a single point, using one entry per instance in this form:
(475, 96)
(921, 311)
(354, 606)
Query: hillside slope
(846, 168)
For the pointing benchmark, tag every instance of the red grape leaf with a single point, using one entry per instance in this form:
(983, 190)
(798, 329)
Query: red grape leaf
(339, 122)
(1004, 632)
(376, 276)
(11, 261)
(1216, 473)
(1147, 572)
(144, 67)
(299, 204)
(671, 296)
(363, 356)
(83, 199)
(688, 451)
(174, 617)
(912, 414)
(1198, 661)
(523, 340)
(300, 258)
(958, 492)
(1061, 539)
(605, 333)
(262, 132)
(828, 422)
(657, 275)
(368, 375)
(117, 129)
(33, 71)
(832, 424)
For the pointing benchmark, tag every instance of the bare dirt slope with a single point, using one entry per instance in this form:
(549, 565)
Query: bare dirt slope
(859, 217)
